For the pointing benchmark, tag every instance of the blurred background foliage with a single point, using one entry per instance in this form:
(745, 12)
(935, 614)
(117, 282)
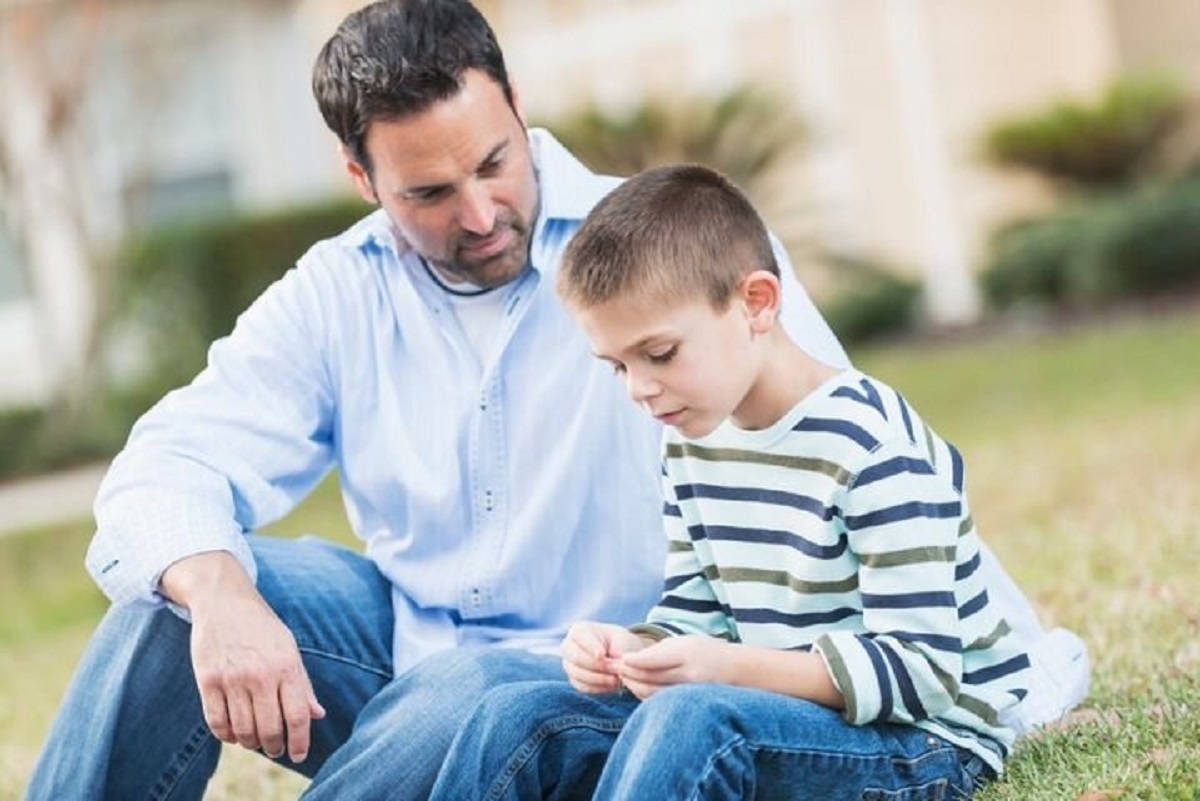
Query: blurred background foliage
(1126, 224)
(1106, 143)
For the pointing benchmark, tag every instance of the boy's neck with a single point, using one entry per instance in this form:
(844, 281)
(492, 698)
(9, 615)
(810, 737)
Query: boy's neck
(788, 375)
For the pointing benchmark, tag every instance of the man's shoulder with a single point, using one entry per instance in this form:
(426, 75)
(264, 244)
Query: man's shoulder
(569, 189)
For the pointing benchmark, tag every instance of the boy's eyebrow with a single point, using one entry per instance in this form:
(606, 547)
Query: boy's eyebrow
(641, 343)
(489, 157)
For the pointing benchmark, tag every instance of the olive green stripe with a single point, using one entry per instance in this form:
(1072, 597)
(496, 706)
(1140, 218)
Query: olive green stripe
(909, 556)
(980, 709)
(780, 578)
(679, 546)
(964, 527)
(841, 675)
(1002, 630)
(948, 682)
(678, 450)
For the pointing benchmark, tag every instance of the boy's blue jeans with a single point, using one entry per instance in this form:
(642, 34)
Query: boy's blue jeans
(131, 726)
(544, 740)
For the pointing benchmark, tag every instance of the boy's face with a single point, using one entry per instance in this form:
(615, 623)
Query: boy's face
(687, 364)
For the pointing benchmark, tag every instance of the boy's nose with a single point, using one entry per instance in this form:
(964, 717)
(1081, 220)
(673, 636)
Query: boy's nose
(641, 388)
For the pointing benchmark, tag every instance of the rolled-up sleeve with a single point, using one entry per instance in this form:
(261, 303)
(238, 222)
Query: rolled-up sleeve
(231, 452)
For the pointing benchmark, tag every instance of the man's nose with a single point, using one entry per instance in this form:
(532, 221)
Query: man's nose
(477, 214)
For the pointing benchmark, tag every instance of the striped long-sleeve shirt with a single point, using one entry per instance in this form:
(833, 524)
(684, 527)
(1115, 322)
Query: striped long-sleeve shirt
(844, 528)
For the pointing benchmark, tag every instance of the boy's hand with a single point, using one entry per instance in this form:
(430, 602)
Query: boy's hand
(678, 660)
(591, 652)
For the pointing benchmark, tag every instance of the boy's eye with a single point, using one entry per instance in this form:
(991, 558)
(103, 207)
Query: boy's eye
(618, 368)
(664, 356)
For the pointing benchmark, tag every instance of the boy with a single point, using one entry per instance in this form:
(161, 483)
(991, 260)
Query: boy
(823, 631)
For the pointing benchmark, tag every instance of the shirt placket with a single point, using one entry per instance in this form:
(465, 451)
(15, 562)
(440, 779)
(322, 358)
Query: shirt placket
(488, 472)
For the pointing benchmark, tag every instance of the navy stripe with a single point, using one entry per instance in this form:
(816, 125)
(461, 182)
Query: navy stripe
(769, 537)
(938, 642)
(765, 615)
(671, 510)
(1006, 668)
(956, 466)
(691, 605)
(843, 427)
(909, 600)
(974, 605)
(881, 676)
(893, 467)
(686, 492)
(670, 627)
(908, 426)
(908, 692)
(868, 397)
(876, 401)
(967, 568)
(674, 582)
(1019, 693)
(905, 511)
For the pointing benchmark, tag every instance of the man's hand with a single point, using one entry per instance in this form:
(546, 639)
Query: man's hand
(252, 683)
(591, 652)
(678, 660)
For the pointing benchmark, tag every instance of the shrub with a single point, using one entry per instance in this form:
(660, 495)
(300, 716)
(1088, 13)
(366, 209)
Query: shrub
(745, 133)
(871, 301)
(1100, 250)
(1029, 261)
(1106, 144)
(184, 286)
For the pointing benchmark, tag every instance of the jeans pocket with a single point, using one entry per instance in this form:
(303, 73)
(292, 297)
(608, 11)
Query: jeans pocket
(936, 790)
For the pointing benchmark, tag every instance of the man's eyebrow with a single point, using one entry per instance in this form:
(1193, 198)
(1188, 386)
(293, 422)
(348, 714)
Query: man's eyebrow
(490, 157)
(500, 147)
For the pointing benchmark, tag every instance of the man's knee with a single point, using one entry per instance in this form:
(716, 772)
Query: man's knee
(475, 670)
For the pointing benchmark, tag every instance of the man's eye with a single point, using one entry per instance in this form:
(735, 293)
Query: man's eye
(489, 168)
(618, 368)
(663, 357)
(426, 195)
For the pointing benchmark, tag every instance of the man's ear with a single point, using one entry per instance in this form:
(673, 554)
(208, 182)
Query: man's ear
(760, 294)
(358, 175)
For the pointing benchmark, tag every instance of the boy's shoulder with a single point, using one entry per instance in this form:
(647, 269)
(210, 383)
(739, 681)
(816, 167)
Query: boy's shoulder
(863, 409)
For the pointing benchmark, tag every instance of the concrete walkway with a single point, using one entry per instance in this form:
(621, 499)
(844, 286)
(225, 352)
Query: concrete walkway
(58, 498)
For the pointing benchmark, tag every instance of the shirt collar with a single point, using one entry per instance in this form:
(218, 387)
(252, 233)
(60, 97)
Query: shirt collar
(567, 189)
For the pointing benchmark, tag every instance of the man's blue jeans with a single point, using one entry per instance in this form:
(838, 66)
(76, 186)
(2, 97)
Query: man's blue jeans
(544, 740)
(131, 726)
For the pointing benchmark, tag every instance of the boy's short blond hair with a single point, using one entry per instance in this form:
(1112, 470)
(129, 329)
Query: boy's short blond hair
(667, 234)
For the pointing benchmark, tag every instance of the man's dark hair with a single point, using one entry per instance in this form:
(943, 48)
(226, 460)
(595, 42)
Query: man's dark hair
(667, 234)
(395, 58)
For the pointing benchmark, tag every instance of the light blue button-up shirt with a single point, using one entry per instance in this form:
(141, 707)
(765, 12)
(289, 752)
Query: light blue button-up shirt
(503, 500)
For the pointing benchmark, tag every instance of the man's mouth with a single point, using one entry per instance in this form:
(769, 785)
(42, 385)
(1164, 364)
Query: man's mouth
(491, 245)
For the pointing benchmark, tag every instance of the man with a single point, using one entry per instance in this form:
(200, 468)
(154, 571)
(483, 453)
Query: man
(500, 482)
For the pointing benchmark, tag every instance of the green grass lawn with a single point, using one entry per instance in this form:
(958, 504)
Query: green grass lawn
(1083, 454)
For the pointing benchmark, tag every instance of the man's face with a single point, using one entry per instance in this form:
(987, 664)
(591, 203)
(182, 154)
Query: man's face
(687, 364)
(458, 183)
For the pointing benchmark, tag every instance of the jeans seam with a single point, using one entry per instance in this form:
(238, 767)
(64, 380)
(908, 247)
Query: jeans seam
(738, 740)
(534, 743)
(183, 760)
(345, 660)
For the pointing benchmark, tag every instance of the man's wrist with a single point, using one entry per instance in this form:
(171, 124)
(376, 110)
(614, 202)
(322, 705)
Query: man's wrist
(194, 580)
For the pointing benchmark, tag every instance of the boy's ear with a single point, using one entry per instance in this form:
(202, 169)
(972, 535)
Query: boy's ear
(760, 294)
(358, 175)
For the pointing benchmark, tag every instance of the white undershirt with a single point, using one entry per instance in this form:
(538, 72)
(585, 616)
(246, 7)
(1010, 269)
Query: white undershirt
(480, 317)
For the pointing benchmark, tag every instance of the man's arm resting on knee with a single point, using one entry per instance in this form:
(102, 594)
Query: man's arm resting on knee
(252, 683)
